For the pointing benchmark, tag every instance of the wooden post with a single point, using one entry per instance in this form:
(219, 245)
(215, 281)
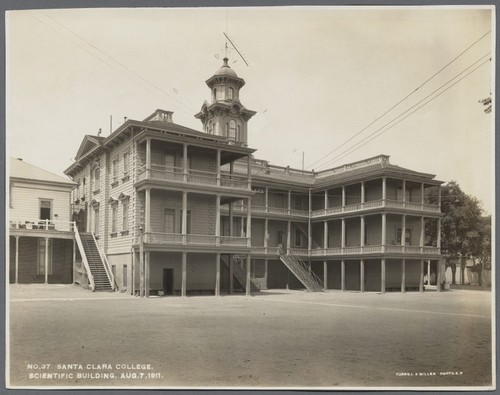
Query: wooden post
(231, 280)
(403, 275)
(403, 232)
(266, 234)
(421, 282)
(147, 270)
(325, 235)
(343, 197)
(185, 162)
(289, 201)
(184, 218)
(384, 229)
(184, 273)
(343, 235)
(266, 199)
(134, 263)
(288, 236)
(342, 275)
(266, 265)
(384, 190)
(382, 277)
(362, 232)
(249, 222)
(231, 219)
(362, 275)
(362, 193)
(217, 219)
(325, 275)
(247, 285)
(17, 258)
(218, 167)
(141, 263)
(217, 274)
(147, 210)
(249, 171)
(422, 234)
(46, 260)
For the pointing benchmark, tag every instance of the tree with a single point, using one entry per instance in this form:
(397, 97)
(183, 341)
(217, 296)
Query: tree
(465, 232)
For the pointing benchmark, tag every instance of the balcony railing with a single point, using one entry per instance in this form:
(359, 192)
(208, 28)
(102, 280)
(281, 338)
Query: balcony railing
(193, 239)
(198, 177)
(376, 204)
(242, 209)
(42, 224)
(356, 250)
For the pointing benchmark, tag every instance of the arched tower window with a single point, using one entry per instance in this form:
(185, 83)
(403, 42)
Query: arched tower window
(214, 98)
(227, 130)
(230, 93)
(232, 129)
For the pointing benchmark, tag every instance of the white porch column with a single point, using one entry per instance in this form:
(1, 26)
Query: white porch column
(17, 258)
(384, 190)
(362, 231)
(438, 276)
(342, 275)
(249, 222)
(184, 218)
(325, 275)
(429, 272)
(231, 219)
(147, 211)
(309, 225)
(217, 274)
(422, 194)
(403, 275)
(289, 201)
(46, 260)
(231, 279)
(363, 192)
(266, 233)
(403, 230)
(362, 275)
(326, 199)
(185, 162)
(422, 234)
(217, 220)
(384, 226)
(134, 264)
(439, 234)
(184, 273)
(421, 282)
(288, 236)
(266, 262)
(218, 167)
(342, 241)
(266, 199)
(404, 193)
(325, 235)
(382, 277)
(247, 286)
(148, 153)
(343, 197)
(249, 171)
(148, 271)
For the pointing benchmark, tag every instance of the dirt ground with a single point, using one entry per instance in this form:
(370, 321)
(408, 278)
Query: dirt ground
(61, 335)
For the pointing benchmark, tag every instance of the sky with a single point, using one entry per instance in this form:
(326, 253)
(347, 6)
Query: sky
(331, 84)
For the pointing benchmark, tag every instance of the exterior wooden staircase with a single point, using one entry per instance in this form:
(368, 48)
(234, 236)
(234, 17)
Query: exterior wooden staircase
(99, 274)
(300, 270)
(240, 273)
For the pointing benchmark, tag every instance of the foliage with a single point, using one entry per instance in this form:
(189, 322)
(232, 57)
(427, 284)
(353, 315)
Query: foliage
(464, 230)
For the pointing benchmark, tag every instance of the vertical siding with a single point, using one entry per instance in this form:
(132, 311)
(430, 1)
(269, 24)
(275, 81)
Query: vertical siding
(373, 229)
(334, 233)
(352, 232)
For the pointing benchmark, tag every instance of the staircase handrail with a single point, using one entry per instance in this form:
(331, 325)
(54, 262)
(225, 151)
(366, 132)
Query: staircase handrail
(105, 262)
(84, 257)
(301, 264)
(242, 263)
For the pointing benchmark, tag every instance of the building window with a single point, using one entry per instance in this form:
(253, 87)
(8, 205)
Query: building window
(41, 257)
(232, 129)
(230, 93)
(114, 210)
(46, 209)
(115, 169)
(210, 127)
(170, 160)
(125, 163)
(169, 220)
(238, 133)
(97, 179)
(407, 236)
(125, 217)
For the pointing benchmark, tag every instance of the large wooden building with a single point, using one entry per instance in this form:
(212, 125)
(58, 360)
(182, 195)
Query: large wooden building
(179, 211)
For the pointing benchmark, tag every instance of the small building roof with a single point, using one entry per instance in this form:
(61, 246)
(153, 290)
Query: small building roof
(22, 170)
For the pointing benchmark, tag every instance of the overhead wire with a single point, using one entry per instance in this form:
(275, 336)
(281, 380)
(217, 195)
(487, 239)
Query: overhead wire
(364, 142)
(400, 101)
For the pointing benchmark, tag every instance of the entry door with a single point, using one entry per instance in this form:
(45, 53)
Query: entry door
(168, 281)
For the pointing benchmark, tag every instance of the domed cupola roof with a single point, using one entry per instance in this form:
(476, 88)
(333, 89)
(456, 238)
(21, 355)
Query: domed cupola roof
(226, 70)
(225, 74)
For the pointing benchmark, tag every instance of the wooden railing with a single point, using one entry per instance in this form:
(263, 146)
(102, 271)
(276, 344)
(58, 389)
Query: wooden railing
(192, 239)
(42, 224)
(354, 250)
(191, 176)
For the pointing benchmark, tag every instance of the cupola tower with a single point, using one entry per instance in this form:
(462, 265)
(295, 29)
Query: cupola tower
(225, 115)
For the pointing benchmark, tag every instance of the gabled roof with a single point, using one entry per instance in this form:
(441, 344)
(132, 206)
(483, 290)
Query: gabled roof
(22, 170)
(88, 144)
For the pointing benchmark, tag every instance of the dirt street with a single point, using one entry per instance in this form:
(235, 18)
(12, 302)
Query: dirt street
(66, 336)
